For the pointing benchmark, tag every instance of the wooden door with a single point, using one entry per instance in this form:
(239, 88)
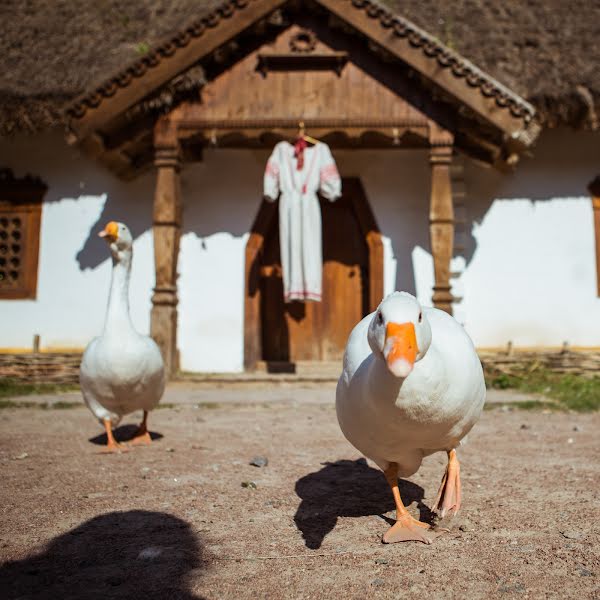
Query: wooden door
(318, 331)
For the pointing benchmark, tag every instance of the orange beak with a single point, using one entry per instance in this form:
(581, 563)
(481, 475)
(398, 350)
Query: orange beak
(401, 348)
(111, 231)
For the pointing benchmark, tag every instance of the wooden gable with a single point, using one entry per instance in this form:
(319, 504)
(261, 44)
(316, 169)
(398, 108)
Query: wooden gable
(298, 77)
(370, 78)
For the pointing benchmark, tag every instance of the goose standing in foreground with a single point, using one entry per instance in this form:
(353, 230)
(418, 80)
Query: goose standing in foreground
(121, 371)
(411, 385)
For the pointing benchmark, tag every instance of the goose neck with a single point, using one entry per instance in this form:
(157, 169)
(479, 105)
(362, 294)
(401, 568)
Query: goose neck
(117, 314)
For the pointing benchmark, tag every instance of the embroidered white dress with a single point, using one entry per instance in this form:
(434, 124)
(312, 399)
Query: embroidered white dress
(300, 234)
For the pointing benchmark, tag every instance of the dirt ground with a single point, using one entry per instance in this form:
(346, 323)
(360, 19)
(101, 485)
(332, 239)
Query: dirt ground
(173, 520)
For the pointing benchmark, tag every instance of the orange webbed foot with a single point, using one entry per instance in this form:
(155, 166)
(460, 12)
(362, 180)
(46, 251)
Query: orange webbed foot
(142, 435)
(140, 438)
(114, 448)
(448, 499)
(407, 529)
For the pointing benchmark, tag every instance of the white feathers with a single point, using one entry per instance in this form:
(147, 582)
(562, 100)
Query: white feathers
(398, 411)
(121, 371)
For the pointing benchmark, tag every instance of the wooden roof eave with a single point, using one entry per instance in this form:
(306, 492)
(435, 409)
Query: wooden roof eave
(376, 25)
(487, 99)
(247, 14)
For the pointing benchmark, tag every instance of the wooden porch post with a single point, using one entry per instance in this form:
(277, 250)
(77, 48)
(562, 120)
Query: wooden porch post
(441, 215)
(167, 232)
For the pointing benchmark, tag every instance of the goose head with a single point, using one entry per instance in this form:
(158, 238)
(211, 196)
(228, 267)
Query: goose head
(399, 333)
(119, 239)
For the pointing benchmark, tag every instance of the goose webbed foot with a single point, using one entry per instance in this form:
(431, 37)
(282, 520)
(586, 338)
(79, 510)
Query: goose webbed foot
(406, 528)
(112, 446)
(142, 435)
(448, 499)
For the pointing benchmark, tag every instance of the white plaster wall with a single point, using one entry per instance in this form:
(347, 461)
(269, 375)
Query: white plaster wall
(531, 275)
(74, 265)
(221, 197)
(528, 270)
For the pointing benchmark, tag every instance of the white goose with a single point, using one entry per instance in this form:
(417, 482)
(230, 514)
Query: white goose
(121, 371)
(411, 385)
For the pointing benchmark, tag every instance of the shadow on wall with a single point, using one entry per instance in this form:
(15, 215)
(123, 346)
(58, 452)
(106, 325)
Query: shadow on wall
(128, 202)
(212, 203)
(347, 488)
(559, 168)
(397, 188)
(134, 554)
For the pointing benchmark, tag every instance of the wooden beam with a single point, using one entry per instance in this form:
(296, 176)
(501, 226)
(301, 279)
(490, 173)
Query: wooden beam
(441, 216)
(167, 233)
(401, 48)
(170, 66)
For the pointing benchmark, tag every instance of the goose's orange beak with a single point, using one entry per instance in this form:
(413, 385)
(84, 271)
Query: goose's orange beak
(111, 231)
(400, 349)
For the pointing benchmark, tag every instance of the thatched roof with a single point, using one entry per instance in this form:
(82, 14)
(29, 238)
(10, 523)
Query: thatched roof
(50, 53)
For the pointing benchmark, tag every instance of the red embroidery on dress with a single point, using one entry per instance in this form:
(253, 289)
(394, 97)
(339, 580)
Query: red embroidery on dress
(272, 169)
(329, 172)
(302, 294)
(304, 187)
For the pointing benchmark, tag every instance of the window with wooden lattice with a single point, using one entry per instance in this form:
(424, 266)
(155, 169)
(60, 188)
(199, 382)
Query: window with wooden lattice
(594, 189)
(20, 216)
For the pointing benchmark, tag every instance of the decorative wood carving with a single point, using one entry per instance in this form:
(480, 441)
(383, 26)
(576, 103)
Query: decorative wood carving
(441, 215)
(20, 219)
(293, 61)
(304, 40)
(167, 233)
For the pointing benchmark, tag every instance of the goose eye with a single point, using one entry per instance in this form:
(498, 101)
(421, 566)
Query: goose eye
(420, 317)
(380, 318)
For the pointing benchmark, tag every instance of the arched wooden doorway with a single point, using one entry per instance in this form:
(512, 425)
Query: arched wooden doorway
(352, 284)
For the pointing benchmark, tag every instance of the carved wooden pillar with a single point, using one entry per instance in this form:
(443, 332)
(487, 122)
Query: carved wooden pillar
(594, 189)
(167, 232)
(441, 216)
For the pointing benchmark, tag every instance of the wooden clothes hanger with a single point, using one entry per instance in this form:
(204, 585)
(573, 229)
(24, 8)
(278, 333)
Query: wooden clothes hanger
(301, 134)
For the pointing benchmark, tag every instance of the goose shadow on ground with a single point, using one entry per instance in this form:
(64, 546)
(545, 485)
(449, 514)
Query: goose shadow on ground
(133, 554)
(123, 433)
(348, 488)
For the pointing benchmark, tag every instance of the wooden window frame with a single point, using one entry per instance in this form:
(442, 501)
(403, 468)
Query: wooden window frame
(23, 196)
(594, 190)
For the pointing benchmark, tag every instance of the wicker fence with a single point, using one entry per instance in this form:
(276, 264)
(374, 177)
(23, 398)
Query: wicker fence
(58, 368)
(520, 363)
(63, 368)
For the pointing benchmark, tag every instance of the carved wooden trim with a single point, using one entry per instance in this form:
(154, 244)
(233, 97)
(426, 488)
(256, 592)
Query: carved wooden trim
(294, 61)
(118, 93)
(20, 221)
(452, 72)
(398, 35)
(441, 216)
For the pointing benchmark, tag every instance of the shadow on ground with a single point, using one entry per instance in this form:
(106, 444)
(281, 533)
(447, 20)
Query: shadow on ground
(347, 488)
(134, 554)
(123, 433)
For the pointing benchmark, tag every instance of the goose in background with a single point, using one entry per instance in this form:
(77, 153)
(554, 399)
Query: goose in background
(412, 384)
(121, 371)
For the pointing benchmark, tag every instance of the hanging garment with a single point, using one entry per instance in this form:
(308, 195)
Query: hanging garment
(296, 174)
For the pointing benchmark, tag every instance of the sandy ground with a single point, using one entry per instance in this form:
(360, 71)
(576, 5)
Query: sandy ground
(173, 520)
